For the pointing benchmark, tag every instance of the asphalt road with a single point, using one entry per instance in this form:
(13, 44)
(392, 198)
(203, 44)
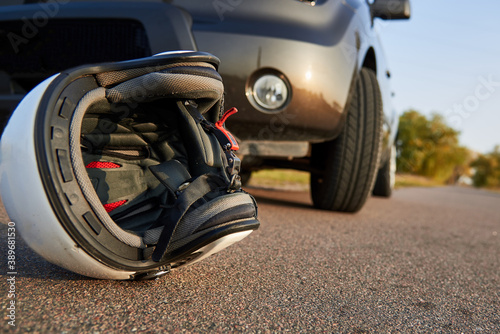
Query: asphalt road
(425, 261)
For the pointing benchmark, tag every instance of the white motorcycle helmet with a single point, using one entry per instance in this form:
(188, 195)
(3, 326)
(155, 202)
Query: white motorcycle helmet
(124, 170)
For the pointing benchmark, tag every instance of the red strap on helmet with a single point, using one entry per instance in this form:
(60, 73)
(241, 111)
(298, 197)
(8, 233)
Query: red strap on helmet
(220, 125)
(111, 206)
(102, 164)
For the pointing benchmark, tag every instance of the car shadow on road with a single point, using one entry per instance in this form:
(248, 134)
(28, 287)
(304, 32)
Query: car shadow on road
(287, 198)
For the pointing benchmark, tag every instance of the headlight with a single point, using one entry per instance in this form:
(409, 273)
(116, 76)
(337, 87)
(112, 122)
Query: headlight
(268, 91)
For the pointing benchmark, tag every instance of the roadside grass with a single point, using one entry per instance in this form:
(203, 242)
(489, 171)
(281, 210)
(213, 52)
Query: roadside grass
(292, 180)
(288, 179)
(409, 180)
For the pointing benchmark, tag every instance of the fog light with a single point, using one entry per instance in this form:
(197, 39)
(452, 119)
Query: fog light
(270, 92)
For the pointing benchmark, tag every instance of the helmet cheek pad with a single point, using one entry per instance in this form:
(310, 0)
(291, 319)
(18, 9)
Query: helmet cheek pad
(134, 168)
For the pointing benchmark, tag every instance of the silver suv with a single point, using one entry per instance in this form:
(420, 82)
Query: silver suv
(308, 77)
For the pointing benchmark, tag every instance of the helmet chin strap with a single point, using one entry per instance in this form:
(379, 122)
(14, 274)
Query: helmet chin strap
(195, 191)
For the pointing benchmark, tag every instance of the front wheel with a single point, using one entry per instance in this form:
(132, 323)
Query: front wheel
(345, 168)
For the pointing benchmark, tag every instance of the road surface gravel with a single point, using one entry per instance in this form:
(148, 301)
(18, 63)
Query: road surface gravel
(425, 261)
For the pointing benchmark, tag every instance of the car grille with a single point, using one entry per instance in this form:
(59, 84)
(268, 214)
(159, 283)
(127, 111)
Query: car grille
(66, 43)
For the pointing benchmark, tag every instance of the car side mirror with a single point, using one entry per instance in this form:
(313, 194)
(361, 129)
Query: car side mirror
(391, 9)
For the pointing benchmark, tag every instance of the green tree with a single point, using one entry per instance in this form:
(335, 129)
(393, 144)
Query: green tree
(487, 168)
(430, 147)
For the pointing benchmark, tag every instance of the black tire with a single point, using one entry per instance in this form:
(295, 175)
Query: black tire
(344, 169)
(385, 177)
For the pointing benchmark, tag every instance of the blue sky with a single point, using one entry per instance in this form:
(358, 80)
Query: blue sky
(446, 59)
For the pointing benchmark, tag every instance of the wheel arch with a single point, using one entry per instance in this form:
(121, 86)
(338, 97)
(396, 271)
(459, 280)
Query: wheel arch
(370, 60)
